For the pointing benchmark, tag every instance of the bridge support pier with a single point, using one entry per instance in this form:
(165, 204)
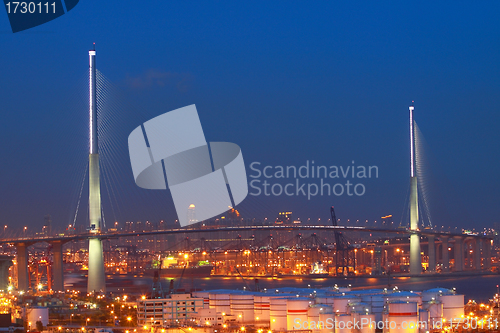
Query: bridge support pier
(23, 278)
(487, 254)
(477, 254)
(468, 258)
(459, 254)
(445, 254)
(5, 263)
(57, 266)
(432, 253)
(96, 279)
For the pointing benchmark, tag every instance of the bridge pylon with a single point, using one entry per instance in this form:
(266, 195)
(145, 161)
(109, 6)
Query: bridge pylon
(415, 256)
(96, 278)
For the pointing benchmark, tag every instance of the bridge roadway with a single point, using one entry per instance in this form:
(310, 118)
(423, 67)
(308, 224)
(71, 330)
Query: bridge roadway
(478, 242)
(69, 238)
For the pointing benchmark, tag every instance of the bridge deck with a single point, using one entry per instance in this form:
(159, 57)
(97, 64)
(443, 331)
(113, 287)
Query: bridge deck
(69, 238)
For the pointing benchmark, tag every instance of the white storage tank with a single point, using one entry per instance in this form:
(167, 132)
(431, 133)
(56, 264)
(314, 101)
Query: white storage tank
(405, 296)
(220, 301)
(358, 307)
(423, 318)
(402, 317)
(366, 322)
(242, 306)
(261, 307)
(326, 322)
(296, 311)
(434, 293)
(340, 303)
(376, 301)
(343, 323)
(313, 313)
(319, 317)
(277, 313)
(324, 299)
(37, 313)
(435, 309)
(453, 306)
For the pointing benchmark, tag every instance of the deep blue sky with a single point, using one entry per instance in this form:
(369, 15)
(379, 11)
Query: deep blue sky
(286, 81)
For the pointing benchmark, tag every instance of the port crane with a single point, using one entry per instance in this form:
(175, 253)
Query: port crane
(343, 249)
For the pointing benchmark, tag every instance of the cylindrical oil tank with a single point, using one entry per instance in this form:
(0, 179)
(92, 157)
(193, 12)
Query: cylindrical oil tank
(317, 317)
(435, 309)
(313, 313)
(433, 294)
(423, 318)
(340, 303)
(376, 302)
(296, 312)
(324, 300)
(385, 318)
(343, 323)
(453, 306)
(326, 323)
(242, 306)
(220, 301)
(363, 322)
(402, 317)
(261, 307)
(277, 313)
(358, 307)
(405, 296)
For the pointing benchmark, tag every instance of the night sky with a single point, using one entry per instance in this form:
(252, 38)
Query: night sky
(286, 81)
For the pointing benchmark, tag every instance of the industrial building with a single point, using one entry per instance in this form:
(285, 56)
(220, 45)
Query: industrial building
(176, 310)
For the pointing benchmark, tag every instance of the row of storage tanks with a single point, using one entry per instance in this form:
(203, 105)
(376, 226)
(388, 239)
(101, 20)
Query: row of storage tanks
(338, 309)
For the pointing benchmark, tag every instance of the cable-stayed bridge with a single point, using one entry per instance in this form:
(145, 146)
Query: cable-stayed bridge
(419, 218)
(480, 243)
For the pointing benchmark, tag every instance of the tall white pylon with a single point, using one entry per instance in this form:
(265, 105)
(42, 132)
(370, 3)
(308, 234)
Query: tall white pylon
(415, 257)
(96, 278)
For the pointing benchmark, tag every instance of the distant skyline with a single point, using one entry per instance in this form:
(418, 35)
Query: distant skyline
(329, 83)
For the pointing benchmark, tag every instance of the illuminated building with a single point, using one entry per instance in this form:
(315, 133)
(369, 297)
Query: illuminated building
(179, 308)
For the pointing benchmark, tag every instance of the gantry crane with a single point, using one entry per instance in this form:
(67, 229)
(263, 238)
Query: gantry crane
(343, 249)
